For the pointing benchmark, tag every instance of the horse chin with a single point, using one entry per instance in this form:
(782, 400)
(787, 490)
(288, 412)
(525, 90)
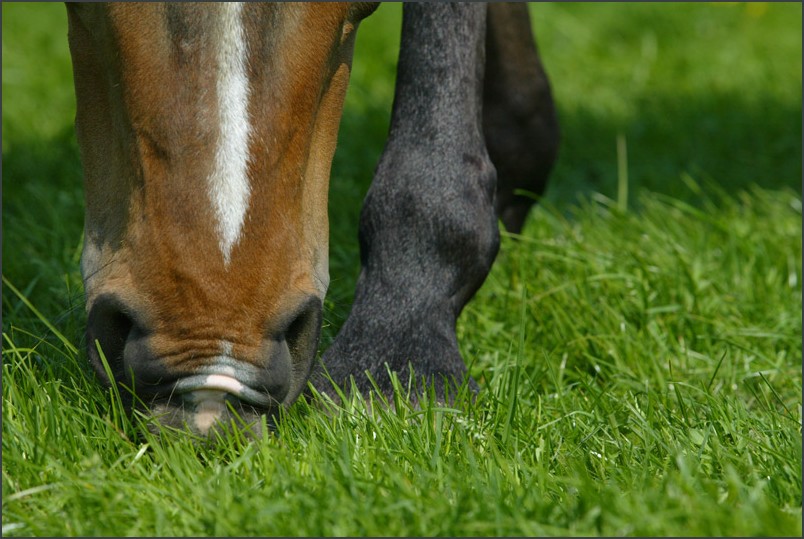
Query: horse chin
(212, 415)
(208, 406)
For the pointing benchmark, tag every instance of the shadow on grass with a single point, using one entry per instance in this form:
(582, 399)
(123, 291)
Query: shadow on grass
(42, 221)
(724, 141)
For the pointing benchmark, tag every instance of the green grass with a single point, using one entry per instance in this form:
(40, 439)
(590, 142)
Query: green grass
(640, 366)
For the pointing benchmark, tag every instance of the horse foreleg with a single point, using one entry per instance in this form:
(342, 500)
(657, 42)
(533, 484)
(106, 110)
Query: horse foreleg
(428, 232)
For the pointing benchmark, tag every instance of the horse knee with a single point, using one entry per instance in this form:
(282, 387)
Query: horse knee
(431, 220)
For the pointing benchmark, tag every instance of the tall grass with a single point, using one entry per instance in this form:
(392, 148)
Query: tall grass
(640, 362)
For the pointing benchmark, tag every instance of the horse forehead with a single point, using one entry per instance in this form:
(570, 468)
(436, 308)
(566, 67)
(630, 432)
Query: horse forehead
(191, 21)
(195, 77)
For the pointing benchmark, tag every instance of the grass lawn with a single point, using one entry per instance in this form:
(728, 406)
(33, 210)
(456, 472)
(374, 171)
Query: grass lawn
(638, 347)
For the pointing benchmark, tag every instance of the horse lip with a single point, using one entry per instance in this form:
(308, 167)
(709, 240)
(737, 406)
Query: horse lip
(196, 387)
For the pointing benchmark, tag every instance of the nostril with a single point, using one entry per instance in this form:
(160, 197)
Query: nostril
(303, 332)
(300, 342)
(110, 324)
(289, 348)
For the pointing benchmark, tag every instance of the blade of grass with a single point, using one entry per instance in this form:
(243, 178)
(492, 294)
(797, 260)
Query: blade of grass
(41, 317)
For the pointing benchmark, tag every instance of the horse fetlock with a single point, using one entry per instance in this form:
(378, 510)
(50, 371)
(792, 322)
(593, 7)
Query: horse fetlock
(380, 341)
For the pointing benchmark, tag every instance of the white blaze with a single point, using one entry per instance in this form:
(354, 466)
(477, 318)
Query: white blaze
(228, 183)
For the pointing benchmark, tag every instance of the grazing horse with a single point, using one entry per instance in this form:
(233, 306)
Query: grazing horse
(207, 133)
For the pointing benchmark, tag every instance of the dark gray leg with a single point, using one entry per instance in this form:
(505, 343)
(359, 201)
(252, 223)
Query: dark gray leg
(428, 231)
(519, 118)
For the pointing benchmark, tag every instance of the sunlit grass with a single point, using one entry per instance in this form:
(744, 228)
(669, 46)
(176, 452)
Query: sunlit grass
(639, 363)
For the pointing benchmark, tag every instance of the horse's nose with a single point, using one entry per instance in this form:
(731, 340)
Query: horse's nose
(275, 373)
(296, 339)
(109, 325)
(119, 352)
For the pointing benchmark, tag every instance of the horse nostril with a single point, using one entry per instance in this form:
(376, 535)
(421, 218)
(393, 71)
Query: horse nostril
(303, 332)
(109, 323)
(293, 353)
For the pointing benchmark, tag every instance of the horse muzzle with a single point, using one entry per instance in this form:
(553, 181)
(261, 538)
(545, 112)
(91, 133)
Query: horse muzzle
(196, 386)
